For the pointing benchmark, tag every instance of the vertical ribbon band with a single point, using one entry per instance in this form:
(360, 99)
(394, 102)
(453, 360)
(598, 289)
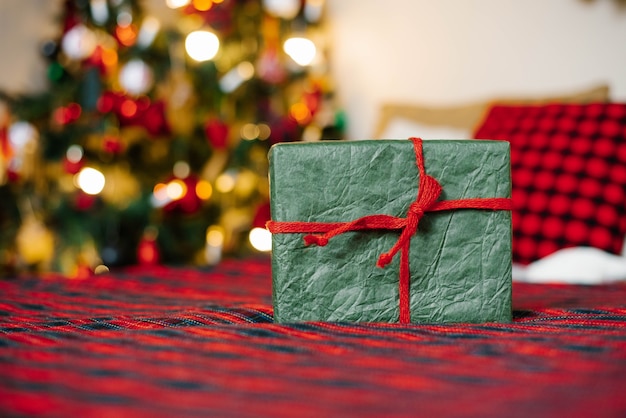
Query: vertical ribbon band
(428, 192)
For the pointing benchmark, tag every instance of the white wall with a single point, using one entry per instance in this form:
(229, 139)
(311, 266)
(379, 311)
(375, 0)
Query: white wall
(24, 24)
(456, 51)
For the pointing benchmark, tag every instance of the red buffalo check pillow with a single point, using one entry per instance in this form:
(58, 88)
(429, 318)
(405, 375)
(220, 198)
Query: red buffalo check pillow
(568, 167)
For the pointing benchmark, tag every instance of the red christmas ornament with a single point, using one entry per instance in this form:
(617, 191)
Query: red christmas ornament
(261, 215)
(103, 59)
(95, 60)
(107, 102)
(84, 201)
(112, 145)
(269, 67)
(13, 176)
(5, 145)
(153, 119)
(284, 130)
(312, 99)
(135, 112)
(71, 16)
(148, 253)
(67, 114)
(6, 153)
(83, 271)
(216, 133)
(72, 167)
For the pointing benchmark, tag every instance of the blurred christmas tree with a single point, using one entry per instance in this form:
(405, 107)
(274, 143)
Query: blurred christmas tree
(150, 143)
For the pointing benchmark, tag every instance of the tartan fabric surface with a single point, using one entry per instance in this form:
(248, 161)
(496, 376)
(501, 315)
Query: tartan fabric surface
(184, 342)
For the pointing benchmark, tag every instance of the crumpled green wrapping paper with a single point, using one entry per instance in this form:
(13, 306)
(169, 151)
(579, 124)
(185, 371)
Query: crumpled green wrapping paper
(460, 260)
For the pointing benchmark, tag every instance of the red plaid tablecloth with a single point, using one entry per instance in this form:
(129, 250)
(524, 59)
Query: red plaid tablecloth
(201, 342)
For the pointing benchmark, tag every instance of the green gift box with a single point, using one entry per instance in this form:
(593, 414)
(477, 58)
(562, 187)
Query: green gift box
(391, 230)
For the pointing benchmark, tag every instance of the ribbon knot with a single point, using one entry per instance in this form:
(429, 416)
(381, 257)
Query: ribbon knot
(427, 195)
(415, 210)
(429, 191)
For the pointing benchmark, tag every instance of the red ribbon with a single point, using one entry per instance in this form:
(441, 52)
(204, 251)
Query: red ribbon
(429, 189)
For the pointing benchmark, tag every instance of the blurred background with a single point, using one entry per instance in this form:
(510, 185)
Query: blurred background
(136, 132)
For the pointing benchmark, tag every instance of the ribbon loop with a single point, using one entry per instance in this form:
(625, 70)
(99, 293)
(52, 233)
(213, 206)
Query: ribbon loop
(429, 191)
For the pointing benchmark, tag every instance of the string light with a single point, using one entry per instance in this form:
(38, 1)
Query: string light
(159, 195)
(164, 193)
(74, 153)
(148, 31)
(214, 243)
(312, 133)
(260, 239)
(79, 42)
(126, 34)
(124, 18)
(99, 11)
(250, 131)
(176, 189)
(175, 4)
(286, 9)
(264, 131)
(301, 113)
(109, 57)
(90, 180)
(20, 133)
(202, 45)
(136, 77)
(225, 182)
(236, 76)
(204, 190)
(202, 5)
(101, 269)
(245, 183)
(313, 10)
(215, 236)
(301, 50)
(181, 169)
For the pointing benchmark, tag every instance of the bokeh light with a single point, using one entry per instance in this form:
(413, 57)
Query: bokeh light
(225, 182)
(79, 42)
(260, 239)
(202, 45)
(20, 133)
(74, 153)
(90, 180)
(204, 190)
(176, 189)
(215, 236)
(301, 50)
(136, 77)
(175, 4)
